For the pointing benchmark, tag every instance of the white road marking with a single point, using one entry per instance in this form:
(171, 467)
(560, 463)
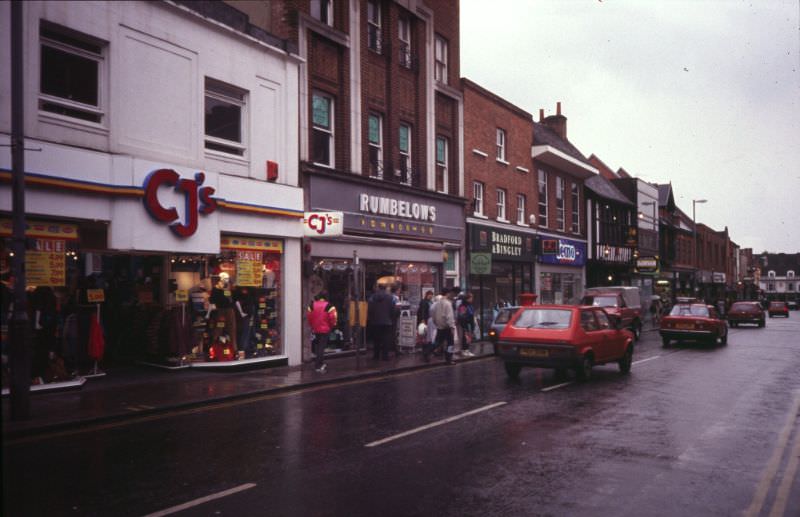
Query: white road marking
(202, 500)
(782, 497)
(555, 387)
(774, 462)
(435, 424)
(645, 360)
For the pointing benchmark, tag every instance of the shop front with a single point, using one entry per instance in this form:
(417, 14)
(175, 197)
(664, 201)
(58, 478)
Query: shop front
(511, 253)
(403, 239)
(175, 269)
(560, 269)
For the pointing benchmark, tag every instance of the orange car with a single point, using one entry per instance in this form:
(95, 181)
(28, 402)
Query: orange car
(564, 337)
(778, 309)
(693, 321)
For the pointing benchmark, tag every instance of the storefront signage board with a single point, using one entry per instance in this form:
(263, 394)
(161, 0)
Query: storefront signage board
(480, 263)
(323, 224)
(647, 265)
(384, 212)
(502, 244)
(198, 200)
(562, 252)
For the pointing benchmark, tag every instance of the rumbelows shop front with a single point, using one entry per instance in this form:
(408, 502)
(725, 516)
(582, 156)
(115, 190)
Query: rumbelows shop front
(406, 239)
(176, 268)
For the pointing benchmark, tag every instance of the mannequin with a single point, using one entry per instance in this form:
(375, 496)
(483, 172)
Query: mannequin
(221, 307)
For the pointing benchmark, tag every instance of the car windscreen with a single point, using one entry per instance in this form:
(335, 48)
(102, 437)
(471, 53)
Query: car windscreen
(504, 315)
(544, 319)
(689, 310)
(601, 301)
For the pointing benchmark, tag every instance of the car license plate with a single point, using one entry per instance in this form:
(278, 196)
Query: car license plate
(533, 352)
(684, 326)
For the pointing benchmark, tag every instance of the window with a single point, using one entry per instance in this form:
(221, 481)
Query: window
(576, 209)
(440, 60)
(441, 164)
(771, 274)
(521, 209)
(374, 26)
(477, 196)
(542, 198)
(404, 172)
(404, 35)
(322, 148)
(224, 113)
(602, 319)
(560, 203)
(790, 274)
(501, 144)
(790, 287)
(501, 204)
(588, 322)
(322, 10)
(375, 138)
(70, 70)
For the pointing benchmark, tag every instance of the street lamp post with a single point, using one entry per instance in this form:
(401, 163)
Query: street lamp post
(694, 247)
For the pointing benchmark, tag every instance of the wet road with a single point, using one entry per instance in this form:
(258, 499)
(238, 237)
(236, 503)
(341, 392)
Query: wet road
(693, 430)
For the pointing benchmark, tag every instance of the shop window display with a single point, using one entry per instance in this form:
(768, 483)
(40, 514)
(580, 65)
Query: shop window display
(557, 288)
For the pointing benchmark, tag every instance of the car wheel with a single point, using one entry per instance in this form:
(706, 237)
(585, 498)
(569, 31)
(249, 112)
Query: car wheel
(583, 370)
(626, 361)
(512, 370)
(665, 342)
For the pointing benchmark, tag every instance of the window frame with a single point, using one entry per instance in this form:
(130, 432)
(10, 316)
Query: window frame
(560, 191)
(440, 51)
(374, 27)
(242, 103)
(442, 164)
(405, 156)
(375, 169)
(502, 200)
(325, 11)
(543, 208)
(330, 131)
(404, 36)
(521, 209)
(98, 56)
(576, 207)
(478, 191)
(500, 144)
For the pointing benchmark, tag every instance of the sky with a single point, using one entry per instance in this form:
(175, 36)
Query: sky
(703, 94)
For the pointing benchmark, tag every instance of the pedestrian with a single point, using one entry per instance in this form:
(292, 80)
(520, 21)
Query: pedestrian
(423, 313)
(445, 322)
(321, 316)
(380, 318)
(466, 323)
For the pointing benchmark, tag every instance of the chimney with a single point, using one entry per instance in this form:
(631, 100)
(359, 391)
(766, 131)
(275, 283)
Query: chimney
(557, 122)
(541, 114)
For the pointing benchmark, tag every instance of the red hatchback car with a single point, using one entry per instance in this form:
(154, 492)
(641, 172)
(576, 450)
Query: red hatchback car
(564, 337)
(746, 312)
(778, 309)
(693, 321)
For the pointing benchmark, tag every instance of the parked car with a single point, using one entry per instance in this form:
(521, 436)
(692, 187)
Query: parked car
(693, 321)
(622, 301)
(746, 312)
(564, 337)
(504, 315)
(778, 309)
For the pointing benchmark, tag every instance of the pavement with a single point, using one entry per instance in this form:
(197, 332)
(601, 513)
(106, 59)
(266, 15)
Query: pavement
(135, 391)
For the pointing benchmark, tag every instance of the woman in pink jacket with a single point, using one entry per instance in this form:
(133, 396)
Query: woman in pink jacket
(321, 316)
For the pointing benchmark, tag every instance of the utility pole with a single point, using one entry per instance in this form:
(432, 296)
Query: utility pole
(20, 350)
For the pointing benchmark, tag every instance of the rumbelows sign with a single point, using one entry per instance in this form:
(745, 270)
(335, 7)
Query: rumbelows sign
(382, 205)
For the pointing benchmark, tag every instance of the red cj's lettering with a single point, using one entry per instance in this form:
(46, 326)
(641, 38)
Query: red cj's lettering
(197, 200)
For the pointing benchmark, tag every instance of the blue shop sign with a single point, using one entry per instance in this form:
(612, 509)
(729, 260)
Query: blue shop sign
(561, 252)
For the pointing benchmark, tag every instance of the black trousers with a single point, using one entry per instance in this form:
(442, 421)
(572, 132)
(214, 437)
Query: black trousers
(320, 342)
(382, 341)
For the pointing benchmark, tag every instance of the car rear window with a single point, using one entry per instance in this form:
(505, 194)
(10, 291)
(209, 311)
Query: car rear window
(600, 301)
(689, 310)
(544, 319)
(776, 305)
(739, 306)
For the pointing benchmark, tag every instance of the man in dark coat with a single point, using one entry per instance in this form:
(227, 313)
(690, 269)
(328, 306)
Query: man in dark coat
(380, 318)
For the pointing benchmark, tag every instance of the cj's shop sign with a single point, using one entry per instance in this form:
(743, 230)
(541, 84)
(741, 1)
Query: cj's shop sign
(197, 200)
(563, 252)
(323, 224)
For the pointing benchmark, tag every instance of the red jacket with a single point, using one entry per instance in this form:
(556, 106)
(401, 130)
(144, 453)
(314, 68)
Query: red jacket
(321, 316)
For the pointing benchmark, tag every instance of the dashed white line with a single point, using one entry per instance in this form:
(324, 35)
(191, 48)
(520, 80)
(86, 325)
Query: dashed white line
(645, 360)
(202, 500)
(556, 386)
(435, 424)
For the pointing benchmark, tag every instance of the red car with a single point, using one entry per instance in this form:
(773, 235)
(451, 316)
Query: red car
(778, 309)
(746, 312)
(564, 337)
(693, 321)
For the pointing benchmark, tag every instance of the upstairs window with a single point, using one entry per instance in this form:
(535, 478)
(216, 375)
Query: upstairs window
(70, 74)
(322, 10)
(404, 144)
(374, 26)
(560, 203)
(477, 196)
(441, 164)
(576, 209)
(521, 209)
(542, 198)
(440, 59)
(771, 274)
(790, 274)
(375, 140)
(225, 105)
(501, 204)
(404, 35)
(322, 141)
(501, 145)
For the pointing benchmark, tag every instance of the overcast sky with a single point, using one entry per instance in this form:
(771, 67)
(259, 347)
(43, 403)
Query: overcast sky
(704, 94)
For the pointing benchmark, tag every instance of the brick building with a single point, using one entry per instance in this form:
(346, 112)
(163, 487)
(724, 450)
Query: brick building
(501, 186)
(713, 263)
(676, 236)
